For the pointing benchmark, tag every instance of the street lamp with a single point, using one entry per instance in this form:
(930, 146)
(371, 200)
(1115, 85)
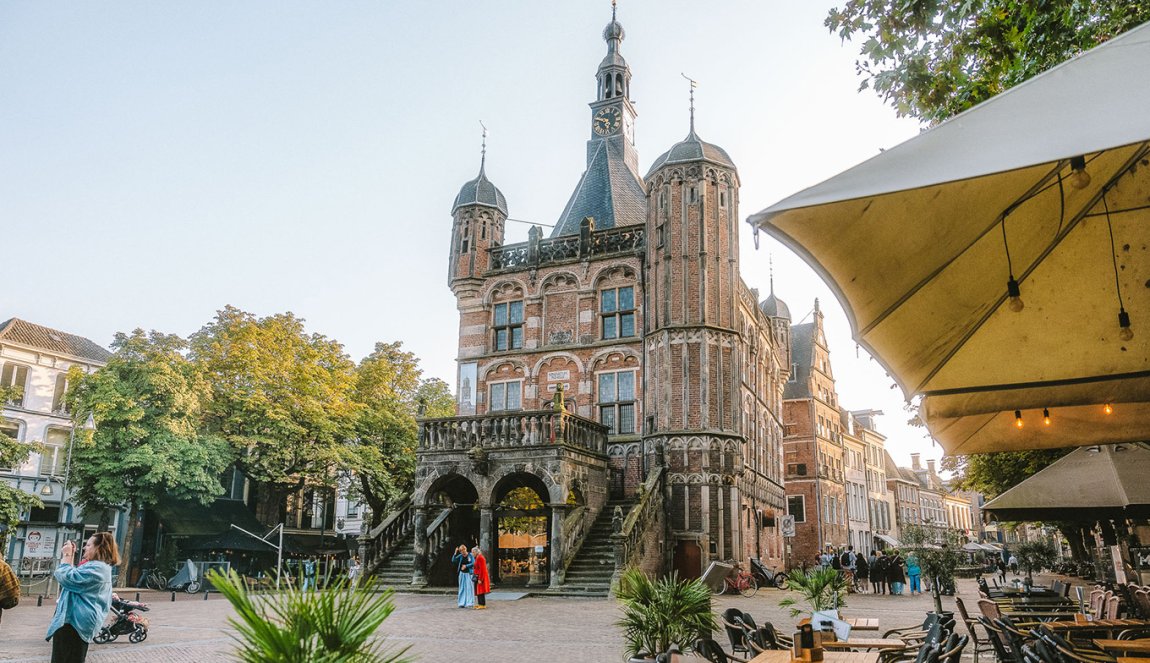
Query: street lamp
(89, 425)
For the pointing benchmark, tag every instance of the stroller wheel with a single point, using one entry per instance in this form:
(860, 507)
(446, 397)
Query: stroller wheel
(103, 637)
(139, 635)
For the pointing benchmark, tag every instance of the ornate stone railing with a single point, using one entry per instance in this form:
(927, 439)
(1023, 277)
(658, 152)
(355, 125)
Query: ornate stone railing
(512, 429)
(376, 544)
(629, 530)
(537, 251)
(576, 524)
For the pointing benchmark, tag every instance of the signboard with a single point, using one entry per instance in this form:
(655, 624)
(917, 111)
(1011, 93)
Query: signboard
(787, 524)
(558, 375)
(1119, 571)
(40, 543)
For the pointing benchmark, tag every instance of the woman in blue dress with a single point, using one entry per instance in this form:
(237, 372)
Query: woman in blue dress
(464, 565)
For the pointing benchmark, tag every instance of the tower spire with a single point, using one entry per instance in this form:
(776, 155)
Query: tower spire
(612, 10)
(483, 149)
(771, 267)
(694, 84)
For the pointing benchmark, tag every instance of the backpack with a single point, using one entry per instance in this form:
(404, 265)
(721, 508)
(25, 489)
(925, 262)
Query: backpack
(845, 560)
(835, 562)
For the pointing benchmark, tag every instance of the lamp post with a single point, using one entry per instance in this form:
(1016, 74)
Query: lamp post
(89, 425)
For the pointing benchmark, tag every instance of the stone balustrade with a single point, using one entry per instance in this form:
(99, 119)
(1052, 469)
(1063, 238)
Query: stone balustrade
(504, 430)
(376, 544)
(538, 252)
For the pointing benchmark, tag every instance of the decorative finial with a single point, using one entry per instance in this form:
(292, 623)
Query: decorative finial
(771, 267)
(483, 148)
(612, 10)
(693, 85)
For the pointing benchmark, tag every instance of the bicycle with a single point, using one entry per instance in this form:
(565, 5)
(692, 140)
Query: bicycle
(740, 581)
(152, 579)
(766, 577)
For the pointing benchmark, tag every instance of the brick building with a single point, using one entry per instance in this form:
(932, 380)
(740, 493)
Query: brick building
(630, 321)
(813, 445)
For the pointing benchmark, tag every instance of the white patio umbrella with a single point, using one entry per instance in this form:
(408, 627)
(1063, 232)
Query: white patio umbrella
(1047, 182)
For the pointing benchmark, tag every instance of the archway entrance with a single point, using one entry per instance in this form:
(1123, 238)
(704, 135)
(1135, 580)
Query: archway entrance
(454, 498)
(523, 526)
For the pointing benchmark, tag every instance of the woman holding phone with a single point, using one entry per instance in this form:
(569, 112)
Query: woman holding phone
(85, 597)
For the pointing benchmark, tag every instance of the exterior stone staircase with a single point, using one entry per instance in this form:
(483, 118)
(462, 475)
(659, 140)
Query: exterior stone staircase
(396, 570)
(594, 564)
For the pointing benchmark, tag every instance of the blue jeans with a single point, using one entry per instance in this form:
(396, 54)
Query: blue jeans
(915, 585)
(896, 588)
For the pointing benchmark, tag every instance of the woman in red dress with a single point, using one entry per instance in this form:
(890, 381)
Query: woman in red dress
(482, 579)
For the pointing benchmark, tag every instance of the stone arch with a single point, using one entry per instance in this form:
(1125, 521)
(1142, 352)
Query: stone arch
(495, 369)
(614, 272)
(503, 289)
(555, 492)
(436, 481)
(627, 358)
(559, 279)
(535, 370)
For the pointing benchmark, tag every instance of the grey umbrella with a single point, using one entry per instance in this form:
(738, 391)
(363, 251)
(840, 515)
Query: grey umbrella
(1089, 483)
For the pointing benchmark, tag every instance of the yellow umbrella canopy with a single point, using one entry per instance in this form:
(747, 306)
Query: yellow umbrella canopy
(1048, 183)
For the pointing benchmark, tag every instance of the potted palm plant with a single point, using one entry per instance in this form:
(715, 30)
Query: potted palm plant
(337, 624)
(660, 612)
(821, 589)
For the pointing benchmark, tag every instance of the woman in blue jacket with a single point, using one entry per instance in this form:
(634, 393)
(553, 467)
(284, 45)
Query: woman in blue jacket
(464, 565)
(85, 597)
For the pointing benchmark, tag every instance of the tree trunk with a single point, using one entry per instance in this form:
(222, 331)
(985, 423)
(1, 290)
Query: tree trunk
(126, 551)
(936, 593)
(378, 504)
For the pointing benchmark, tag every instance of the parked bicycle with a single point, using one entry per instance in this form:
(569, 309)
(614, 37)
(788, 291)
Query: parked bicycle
(767, 577)
(740, 581)
(152, 579)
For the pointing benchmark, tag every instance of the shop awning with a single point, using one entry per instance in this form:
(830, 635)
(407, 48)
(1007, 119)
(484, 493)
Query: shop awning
(194, 519)
(889, 540)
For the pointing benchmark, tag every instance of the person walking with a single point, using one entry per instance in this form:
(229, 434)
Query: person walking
(914, 572)
(482, 578)
(1001, 570)
(85, 597)
(9, 588)
(878, 573)
(308, 574)
(463, 565)
(862, 573)
(895, 576)
(1013, 562)
(352, 571)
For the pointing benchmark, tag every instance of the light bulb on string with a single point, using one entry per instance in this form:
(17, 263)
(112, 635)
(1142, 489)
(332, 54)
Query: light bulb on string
(1108, 409)
(1014, 295)
(1125, 332)
(1079, 178)
(1046, 416)
(1018, 418)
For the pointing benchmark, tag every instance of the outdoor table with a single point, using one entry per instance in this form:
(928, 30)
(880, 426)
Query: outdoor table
(1107, 626)
(865, 643)
(862, 623)
(1040, 615)
(1124, 646)
(784, 656)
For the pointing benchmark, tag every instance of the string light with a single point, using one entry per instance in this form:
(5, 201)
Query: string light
(1018, 418)
(1014, 295)
(1124, 331)
(1108, 409)
(1079, 178)
(1046, 416)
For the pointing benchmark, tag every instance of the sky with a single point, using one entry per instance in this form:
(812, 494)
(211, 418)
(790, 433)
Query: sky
(159, 161)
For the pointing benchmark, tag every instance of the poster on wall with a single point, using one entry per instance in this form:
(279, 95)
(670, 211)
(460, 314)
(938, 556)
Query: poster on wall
(466, 394)
(40, 543)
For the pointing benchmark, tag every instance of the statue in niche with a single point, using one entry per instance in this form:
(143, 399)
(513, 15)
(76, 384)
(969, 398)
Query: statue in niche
(558, 402)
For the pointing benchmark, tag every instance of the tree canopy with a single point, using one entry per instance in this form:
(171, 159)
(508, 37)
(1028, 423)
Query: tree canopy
(932, 59)
(147, 403)
(12, 500)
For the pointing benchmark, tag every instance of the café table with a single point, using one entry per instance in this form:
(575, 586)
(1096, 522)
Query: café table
(784, 656)
(1073, 628)
(1141, 646)
(865, 644)
(862, 623)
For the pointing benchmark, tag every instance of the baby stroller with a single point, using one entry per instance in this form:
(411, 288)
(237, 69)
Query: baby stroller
(124, 618)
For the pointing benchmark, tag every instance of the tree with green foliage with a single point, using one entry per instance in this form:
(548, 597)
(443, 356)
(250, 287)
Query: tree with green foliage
(283, 398)
(660, 612)
(1035, 556)
(147, 402)
(380, 456)
(932, 59)
(939, 553)
(13, 501)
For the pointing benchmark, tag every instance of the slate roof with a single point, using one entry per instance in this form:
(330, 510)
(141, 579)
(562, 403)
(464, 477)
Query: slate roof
(31, 335)
(609, 192)
(480, 191)
(802, 355)
(773, 307)
(692, 148)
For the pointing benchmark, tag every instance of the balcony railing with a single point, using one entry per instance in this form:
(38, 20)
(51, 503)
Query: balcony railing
(512, 429)
(536, 252)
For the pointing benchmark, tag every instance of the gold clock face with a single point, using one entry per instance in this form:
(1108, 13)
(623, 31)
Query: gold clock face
(607, 121)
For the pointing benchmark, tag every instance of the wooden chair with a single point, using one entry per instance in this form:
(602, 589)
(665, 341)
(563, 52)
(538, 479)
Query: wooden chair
(1096, 598)
(980, 645)
(1110, 606)
(1142, 603)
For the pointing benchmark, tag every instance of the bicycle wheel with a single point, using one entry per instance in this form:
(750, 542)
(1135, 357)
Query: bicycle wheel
(781, 580)
(748, 586)
(155, 581)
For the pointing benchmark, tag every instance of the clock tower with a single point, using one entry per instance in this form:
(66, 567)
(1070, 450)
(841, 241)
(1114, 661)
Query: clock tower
(611, 190)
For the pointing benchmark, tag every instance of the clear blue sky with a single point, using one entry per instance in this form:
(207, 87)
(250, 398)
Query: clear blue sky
(159, 160)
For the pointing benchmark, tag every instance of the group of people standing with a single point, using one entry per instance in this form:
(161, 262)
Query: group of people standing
(474, 580)
(881, 572)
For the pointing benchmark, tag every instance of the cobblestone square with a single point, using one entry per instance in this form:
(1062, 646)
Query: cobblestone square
(561, 630)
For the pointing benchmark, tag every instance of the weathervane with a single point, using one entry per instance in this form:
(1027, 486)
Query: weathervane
(694, 84)
(483, 147)
(612, 11)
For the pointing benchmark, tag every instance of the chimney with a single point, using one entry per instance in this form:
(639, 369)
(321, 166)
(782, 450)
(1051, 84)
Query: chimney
(915, 463)
(930, 465)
